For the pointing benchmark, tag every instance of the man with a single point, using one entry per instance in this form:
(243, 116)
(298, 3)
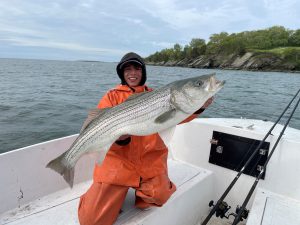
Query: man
(139, 162)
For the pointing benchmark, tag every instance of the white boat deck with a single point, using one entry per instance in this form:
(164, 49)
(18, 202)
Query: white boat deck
(33, 194)
(61, 207)
(273, 209)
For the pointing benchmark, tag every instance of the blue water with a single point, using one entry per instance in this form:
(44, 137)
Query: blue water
(41, 100)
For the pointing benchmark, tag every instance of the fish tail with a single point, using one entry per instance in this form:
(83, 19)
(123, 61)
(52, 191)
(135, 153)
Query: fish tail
(59, 166)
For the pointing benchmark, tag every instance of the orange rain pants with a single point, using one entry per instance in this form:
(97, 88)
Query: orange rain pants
(101, 204)
(141, 164)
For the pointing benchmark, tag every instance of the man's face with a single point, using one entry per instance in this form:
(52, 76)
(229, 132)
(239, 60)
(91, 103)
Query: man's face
(132, 74)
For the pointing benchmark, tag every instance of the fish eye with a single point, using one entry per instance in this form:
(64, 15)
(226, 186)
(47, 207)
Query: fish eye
(199, 83)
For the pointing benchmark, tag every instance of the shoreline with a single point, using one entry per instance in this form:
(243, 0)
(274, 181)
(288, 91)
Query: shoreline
(249, 61)
(227, 68)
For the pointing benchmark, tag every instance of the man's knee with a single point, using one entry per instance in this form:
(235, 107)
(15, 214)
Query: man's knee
(163, 193)
(156, 190)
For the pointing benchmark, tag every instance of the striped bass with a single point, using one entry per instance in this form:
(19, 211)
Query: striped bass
(141, 114)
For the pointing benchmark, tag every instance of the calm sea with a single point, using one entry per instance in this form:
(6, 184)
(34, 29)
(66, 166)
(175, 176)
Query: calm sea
(41, 100)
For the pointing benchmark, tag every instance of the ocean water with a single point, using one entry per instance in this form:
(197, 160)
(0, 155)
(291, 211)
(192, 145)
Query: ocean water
(41, 99)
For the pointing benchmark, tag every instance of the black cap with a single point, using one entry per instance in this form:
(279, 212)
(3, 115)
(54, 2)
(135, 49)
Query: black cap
(134, 58)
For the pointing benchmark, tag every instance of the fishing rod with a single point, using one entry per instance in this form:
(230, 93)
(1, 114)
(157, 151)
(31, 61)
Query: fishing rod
(241, 209)
(220, 202)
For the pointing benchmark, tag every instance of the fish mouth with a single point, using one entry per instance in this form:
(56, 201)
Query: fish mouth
(214, 85)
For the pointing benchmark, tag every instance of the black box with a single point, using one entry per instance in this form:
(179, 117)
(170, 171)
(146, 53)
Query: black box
(232, 152)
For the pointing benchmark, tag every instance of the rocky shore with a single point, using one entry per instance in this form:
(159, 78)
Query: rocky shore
(254, 61)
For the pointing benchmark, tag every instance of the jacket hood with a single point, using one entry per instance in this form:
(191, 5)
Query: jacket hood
(133, 58)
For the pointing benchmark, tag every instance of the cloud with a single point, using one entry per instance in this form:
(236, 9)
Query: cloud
(60, 45)
(114, 27)
(167, 12)
(7, 30)
(213, 16)
(162, 44)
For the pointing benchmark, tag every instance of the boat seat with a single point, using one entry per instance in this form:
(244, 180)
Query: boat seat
(194, 190)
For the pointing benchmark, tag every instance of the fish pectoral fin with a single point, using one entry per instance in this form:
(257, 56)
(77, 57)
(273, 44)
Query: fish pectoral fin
(165, 116)
(93, 114)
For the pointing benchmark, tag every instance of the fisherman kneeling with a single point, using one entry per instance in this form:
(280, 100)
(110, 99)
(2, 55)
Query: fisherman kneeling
(139, 162)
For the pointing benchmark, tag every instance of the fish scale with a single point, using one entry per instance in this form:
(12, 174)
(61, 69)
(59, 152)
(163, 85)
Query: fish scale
(147, 108)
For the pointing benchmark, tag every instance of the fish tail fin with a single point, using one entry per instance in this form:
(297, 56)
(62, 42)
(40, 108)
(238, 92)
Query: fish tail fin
(59, 166)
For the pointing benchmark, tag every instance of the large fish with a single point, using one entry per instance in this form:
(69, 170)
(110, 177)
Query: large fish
(142, 114)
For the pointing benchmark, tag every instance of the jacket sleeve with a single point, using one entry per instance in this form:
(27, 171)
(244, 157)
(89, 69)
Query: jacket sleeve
(106, 101)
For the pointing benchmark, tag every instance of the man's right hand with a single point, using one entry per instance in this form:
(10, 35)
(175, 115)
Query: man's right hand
(123, 137)
(123, 140)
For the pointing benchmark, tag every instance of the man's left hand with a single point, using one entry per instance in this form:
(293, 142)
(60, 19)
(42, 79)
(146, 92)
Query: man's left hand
(207, 103)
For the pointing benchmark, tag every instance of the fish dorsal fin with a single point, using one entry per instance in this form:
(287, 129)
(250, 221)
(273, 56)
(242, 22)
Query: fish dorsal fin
(131, 97)
(165, 116)
(93, 113)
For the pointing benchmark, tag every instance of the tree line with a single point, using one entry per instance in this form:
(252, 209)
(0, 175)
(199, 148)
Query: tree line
(235, 43)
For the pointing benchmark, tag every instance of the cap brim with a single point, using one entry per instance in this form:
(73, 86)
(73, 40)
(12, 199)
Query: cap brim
(130, 61)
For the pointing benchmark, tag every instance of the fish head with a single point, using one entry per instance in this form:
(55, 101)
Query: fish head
(190, 94)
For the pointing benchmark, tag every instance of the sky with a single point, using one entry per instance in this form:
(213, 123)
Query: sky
(106, 30)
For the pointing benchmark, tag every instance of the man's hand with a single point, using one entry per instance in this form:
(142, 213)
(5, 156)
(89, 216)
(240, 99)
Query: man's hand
(123, 140)
(123, 137)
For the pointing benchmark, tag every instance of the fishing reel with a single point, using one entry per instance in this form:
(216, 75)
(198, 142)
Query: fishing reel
(244, 214)
(223, 209)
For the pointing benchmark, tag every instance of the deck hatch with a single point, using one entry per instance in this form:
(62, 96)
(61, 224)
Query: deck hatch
(232, 152)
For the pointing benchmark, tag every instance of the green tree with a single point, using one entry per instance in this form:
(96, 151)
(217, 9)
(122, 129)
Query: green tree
(177, 52)
(294, 39)
(198, 47)
(279, 36)
(236, 43)
(214, 45)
